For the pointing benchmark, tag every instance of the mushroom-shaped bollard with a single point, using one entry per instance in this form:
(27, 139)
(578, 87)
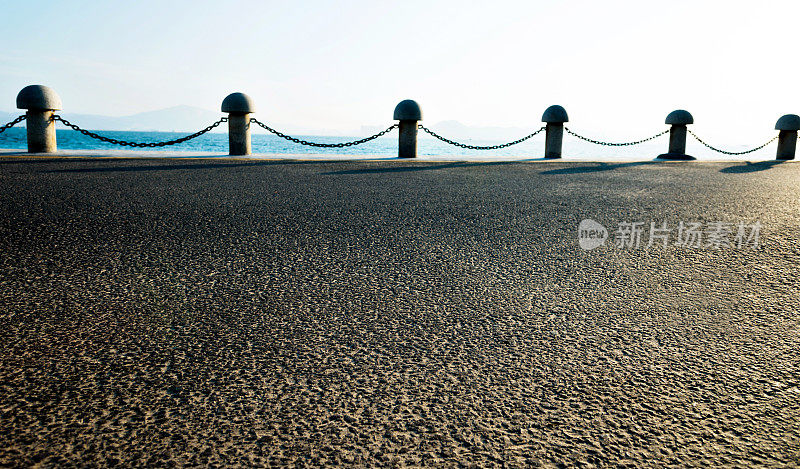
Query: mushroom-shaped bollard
(677, 135)
(239, 106)
(408, 113)
(40, 102)
(787, 138)
(554, 116)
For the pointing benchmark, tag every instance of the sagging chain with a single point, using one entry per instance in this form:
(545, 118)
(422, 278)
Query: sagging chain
(478, 147)
(12, 123)
(732, 152)
(321, 145)
(608, 144)
(123, 143)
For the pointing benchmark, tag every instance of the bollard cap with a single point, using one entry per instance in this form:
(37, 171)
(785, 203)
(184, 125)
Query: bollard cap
(38, 98)
(679, 117)
(555, 114)
(788, 122)
(407, 110)
(238, 103)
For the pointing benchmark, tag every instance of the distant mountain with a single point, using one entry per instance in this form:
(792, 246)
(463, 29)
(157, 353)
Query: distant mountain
(6, 117)
(455, 130)
(192, 119)
(178, 119)
(174, 119)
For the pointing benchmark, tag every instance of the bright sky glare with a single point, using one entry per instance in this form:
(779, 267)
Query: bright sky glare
(618, 67)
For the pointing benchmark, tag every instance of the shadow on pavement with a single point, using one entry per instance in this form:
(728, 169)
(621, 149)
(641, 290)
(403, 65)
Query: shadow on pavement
(597, 167)
(157, 164)
(749, 167)
(182, 166)
(422, 166)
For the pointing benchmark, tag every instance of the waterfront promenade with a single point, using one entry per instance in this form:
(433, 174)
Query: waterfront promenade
(220, 311)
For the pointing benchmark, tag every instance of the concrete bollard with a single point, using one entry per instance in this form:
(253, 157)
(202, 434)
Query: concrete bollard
(554, 116)
(677, 135)
(239, 106)
(408, 113)
(40, 102)
(787, 138)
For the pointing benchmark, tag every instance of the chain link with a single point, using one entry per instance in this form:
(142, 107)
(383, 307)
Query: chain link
(608, 144)
(12, 123)
(322, 145)
(477, 147)
(733, 152)
(364, 140)
(123, 143)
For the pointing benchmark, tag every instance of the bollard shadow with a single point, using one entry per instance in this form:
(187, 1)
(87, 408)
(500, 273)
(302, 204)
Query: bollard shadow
(182, 166)
(749, 167)
(424, 166)
(33, 160)
(596, 167)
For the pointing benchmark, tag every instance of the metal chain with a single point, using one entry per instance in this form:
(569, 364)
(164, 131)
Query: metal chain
(135, 144)
(607, 144)
(477, 147)
(322, 145)
(12, 123)
(733, 152)
(364, 140)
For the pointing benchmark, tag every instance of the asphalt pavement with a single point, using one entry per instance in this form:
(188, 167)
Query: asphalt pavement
(236, 312)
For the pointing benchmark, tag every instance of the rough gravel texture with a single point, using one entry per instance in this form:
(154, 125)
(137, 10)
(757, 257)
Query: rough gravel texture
(193, 312)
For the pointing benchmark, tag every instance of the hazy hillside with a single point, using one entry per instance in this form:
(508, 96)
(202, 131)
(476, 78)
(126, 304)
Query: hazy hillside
(457, 131)
(6, 117)
(192, 119)
(178, 118)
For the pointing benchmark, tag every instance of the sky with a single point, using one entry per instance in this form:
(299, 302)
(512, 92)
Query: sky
(618, 67)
